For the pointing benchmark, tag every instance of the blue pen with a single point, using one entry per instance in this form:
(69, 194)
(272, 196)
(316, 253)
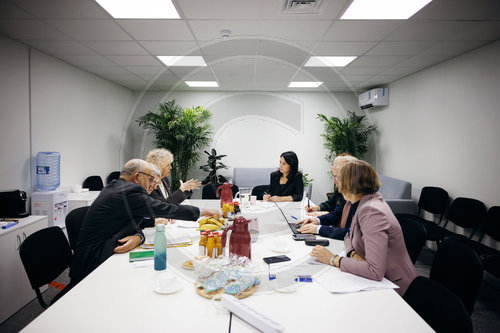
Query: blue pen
(293, 217)
(8, 225)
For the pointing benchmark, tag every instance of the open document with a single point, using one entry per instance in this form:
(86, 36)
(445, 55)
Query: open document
(336, 281)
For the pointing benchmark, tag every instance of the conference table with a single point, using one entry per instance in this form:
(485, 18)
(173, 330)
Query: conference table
(119, 296)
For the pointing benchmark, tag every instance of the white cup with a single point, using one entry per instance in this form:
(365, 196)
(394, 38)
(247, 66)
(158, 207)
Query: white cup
(76, 188)
(253, 200)
(165, 280)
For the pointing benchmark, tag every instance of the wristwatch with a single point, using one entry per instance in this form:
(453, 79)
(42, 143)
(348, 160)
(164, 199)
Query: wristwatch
(332, 259)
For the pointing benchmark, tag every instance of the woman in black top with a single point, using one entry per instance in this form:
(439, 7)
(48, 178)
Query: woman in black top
(286, 184)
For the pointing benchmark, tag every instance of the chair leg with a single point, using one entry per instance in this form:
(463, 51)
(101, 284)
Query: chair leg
(40, 299)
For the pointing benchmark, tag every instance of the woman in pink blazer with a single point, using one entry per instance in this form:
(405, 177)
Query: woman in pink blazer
(374, 244)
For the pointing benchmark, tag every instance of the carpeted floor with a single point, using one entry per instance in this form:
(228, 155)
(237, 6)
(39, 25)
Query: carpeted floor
(485, 318)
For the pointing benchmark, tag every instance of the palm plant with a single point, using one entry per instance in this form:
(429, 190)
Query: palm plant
(213, 164)
(349, 135)
(182, 131)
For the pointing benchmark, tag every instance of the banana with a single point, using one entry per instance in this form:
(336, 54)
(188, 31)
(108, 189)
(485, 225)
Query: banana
(209, 227)
(202, 221)
(217, 223)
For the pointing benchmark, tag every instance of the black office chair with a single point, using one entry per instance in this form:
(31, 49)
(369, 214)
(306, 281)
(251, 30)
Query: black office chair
(93, 183)
(45, 255)
(459, 268)
(209, 191)
(438, 306)
(73, 223)
(112, 176)
(259, 191)
(489, 256)
(414, 235)
(464, 212)
(433, 200)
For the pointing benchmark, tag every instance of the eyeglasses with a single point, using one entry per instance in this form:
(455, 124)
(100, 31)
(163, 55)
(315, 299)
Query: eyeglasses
(151, 178)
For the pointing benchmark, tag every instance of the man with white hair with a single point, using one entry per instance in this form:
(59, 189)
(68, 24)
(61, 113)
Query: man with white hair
(336, 223)
(112, 223)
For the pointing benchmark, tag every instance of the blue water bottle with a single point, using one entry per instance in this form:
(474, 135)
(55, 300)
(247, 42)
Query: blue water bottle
(47, 170)
(160, 248)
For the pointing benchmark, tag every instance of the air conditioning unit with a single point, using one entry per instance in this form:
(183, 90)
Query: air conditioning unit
(374, 97)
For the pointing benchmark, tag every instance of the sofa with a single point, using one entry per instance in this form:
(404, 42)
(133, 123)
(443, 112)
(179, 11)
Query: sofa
(397, 193)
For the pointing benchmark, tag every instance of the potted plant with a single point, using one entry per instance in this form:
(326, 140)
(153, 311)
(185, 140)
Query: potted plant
(213, 164)
(182, 131)
(348, 135)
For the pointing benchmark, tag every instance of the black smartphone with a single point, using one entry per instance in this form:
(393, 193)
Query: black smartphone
(275, 259)
(322, 242)
(303, 237)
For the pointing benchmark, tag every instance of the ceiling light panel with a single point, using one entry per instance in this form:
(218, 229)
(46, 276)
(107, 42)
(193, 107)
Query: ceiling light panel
(383, 9)
(202, 83)
(140, 9)
(297, 84)
(187, 61)
(329, 61)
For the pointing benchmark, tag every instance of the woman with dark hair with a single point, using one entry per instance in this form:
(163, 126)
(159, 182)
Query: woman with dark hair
(374, 244)
(286, 184)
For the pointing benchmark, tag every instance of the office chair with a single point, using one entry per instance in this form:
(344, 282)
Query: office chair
(438, 306)
(209, 191)
(489, 256)
(259, 191)
(73, 222)
(93, 183)
(459, 268)
(414, 235)
(45, 255)
(112, 176)
(464, 212)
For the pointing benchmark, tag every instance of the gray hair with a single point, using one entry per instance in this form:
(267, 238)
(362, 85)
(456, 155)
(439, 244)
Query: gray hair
(343, 159)
(160, 157)
(132, 166)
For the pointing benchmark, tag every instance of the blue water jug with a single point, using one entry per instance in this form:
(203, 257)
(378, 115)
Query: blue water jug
(47, 170)
(160, 246)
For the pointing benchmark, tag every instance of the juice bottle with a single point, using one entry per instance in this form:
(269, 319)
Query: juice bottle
(203, 243)
(218, 244)
(211, 246)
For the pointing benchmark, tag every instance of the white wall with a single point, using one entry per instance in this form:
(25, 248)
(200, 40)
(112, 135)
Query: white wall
(441, 127)
(14, 115)
(72, 111)
(253, 129)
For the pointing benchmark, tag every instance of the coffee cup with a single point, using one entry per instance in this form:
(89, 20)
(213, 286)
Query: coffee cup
(253, 200)
(165, 280)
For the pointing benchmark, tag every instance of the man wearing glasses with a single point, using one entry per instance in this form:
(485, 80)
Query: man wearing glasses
(112, 223)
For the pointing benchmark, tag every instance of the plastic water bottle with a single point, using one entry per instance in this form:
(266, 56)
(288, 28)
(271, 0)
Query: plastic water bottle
(47, 170)
(160, 248)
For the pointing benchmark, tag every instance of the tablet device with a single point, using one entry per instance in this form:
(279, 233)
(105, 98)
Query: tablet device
(275, 259)
(322, 242)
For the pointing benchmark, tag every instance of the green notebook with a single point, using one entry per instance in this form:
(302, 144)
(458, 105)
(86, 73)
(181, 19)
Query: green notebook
(141, 255)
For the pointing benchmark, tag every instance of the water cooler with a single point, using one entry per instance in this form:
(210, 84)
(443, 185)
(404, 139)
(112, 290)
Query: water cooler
(54, 204)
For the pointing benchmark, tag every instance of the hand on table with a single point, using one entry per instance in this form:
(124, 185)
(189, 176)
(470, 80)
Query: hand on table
(322, 254)
(311, 209)
(266, 197)
(127, 243)
(161, 220)
(192, 184)
(316, 214)
(308, 229)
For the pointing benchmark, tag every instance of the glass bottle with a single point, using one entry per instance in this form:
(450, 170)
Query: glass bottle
(160, 243)
(211, 246)
(203, 243)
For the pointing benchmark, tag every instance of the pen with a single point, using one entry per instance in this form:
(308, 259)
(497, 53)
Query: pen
(293, 217)
(8, 225)
(308, 205)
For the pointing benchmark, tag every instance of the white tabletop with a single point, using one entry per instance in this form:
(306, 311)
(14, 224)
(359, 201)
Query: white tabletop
(117, 297)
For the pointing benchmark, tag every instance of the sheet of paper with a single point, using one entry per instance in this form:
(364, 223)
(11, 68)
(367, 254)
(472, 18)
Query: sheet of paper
(186, 224)
(336, 281)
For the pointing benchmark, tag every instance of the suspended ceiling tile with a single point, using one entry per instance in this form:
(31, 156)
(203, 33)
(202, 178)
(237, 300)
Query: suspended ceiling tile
(452, 47)
(459, 10)
(107, 70)
(485, 31)
(361, 30)
(364, 70)
(159, 30)
(292, 30)
(30, 29)
(422, 61)
(90, 29)
(399, 48)
(60, 47)
(171, 48)
(343, 48)
(116, 47)
(49, 9)
(430, 30)
(231, 47)
(86, 60)
(209, 30)
(134, 60)
(281, 49)
(10, 11)
(146, 69)
(367, 61)
(222, 9)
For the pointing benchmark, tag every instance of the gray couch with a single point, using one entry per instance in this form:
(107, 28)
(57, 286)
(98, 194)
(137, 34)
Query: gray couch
(397, 193)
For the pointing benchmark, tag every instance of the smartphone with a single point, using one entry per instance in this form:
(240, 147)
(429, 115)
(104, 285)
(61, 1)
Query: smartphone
(303, 237)
(275, 259)
(322, 242)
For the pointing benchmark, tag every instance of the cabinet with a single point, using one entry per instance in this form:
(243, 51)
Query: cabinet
(15, 288)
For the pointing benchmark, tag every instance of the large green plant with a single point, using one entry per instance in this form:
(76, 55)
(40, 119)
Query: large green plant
(349, 135)
(182, 131)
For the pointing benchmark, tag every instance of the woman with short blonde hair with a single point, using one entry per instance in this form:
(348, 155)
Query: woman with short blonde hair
(163, 159)
(374, 243)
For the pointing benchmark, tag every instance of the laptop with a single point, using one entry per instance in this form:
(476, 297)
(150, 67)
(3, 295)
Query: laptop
(292, 225)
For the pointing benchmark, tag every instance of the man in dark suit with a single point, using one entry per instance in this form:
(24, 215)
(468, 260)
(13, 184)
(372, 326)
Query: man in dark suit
(112, 223)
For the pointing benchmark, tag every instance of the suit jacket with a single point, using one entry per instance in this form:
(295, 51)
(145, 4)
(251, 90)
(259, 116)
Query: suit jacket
(376, 235)
(293, 187)
(175, 197)
(330, 223)
(114, 214)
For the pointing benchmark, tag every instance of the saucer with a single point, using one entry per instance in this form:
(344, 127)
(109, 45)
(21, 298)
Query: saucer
(175, 287)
